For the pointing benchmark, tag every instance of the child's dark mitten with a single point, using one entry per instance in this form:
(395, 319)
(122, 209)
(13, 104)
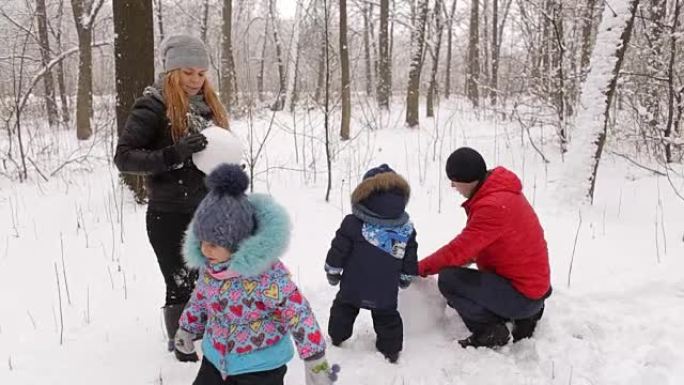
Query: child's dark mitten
(334, 279)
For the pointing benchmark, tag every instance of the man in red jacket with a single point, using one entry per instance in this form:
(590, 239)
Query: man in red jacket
(504, 238)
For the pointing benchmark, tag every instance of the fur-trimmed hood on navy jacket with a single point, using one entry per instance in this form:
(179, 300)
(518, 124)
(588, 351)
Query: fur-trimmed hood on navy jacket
(381, 199)
(256, 253)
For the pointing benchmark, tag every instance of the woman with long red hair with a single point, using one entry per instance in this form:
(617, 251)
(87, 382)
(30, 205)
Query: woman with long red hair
(161, 134)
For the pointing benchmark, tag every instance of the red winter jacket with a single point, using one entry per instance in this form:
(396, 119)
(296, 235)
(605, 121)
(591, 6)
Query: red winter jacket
(502, 235)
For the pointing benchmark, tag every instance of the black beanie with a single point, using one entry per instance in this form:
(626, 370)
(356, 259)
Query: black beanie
(466, 165)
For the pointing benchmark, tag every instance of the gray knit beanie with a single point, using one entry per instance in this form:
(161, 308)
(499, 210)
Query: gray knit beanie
(225, 216)
(182, 51)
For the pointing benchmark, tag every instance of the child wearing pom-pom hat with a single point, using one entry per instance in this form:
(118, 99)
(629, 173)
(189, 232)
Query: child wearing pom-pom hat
(245, 305)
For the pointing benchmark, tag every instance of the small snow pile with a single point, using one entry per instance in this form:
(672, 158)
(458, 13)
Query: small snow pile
(421, 306)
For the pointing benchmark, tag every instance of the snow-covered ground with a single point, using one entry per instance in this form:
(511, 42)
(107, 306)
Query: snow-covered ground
(615, 320)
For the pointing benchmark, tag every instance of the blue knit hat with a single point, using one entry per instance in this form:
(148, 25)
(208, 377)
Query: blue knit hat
(225, 217)
(377, 170)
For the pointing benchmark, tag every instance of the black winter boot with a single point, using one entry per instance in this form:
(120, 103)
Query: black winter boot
(490, 336)
(392, 357)
(172, 314)
(524, 328)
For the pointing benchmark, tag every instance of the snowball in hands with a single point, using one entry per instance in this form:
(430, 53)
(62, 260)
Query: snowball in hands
(223, 147)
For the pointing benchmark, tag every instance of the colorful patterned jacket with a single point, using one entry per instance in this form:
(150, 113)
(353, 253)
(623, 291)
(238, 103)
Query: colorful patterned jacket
(247, 307)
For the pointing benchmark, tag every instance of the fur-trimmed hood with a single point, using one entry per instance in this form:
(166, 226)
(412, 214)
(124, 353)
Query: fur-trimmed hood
(383, 182)
(259, 251)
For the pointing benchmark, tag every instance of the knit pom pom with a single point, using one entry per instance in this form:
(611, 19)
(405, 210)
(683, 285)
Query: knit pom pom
(228, 179)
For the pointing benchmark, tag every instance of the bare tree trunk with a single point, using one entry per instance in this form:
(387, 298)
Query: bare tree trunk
(494, 83)
(473, 67)
(320, 82)
(204, 26)
(228, 82)
(279, 104)
(160, 18)
(373, 46)
(667, 133)
(486, 64)
(383, 57)
(587, 33)
(390, 54)
(559, 63)
(134, 32)
(367, 49)
(447, 80)
(60, 67)
(322, 21)
(599, 89)
(326, 122)
(262, 62)
(432, 89)
(344, 67)
(84, 96)
(416, 66)
(547, 39)
(656, 12)
(84, 17)
(293, 62)
(496, 49)
(48, 81)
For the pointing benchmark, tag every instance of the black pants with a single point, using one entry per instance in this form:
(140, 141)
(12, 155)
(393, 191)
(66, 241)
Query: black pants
(209, 375)
(166, 231)
(482, 298)
(388, 326)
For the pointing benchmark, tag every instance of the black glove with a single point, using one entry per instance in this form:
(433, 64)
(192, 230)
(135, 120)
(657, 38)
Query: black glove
(334, 279)
(189, 145)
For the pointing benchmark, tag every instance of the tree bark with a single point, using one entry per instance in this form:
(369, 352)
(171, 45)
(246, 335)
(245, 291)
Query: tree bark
(293, 62)
(84, 17)
(204, 26)
(486, 64)
(432, 89)
(494, 79)
(262, 62)
(384, 86)
(416, 65)
(597, 95)
(344, 67)
(63, 96)
(667, 133)
(322, 36)
(160, 18)
(390, 55)
(587, 33)
(134, 32)
(320, 85)
(447, 80)
(367, 49)
(473, 68)
(228, 82)
(48, 81)
(656, 12)
(279, 104)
